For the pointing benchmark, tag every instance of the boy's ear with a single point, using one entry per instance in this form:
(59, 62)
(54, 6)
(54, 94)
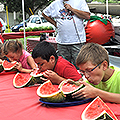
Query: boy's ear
(52, 58)
(105, 65)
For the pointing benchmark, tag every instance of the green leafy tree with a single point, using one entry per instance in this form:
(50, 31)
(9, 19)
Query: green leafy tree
(34, 5)
(104, 1)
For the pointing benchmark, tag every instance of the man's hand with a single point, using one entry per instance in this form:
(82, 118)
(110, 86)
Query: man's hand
(68, 7)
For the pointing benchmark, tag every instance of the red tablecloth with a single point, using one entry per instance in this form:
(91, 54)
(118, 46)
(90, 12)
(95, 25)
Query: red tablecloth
(23, 104)
(21, 34)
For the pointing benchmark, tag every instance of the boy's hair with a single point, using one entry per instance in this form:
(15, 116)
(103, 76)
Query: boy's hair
(12, 46)
(92, 52)
(44, 50)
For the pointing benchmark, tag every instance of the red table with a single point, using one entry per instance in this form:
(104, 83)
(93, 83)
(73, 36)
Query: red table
(24, 104)
(21, 34)
(32, 42)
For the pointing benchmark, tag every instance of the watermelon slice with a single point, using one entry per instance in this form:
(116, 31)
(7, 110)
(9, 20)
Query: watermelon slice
(23, 80)
(94, 110)
(8, 66)
(37, 74)
(68, 87)
(49, 93)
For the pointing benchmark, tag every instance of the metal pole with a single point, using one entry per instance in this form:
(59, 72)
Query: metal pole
(107, 8)
(24, 24)
(7, 18)
(73, 23)
(76, 30)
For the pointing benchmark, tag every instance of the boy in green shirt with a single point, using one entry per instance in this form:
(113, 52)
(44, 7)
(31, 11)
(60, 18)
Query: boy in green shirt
(104, 81)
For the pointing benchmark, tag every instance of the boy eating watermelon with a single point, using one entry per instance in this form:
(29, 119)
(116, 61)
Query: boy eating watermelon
(56, 67)
(104, 80)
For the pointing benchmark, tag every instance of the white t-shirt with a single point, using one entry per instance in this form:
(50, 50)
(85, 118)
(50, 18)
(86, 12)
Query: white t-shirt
(67, 34)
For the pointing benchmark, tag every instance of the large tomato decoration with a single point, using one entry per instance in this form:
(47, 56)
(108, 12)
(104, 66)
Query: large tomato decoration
(99, 30)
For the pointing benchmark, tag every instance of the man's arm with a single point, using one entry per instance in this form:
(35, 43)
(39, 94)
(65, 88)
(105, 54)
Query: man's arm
(49, 19)
(79, 13)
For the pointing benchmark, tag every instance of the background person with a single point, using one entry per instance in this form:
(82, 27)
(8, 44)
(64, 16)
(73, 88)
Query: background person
(1, 38)
(104, 81)
(68, 19)
(56, 68)
(1, 51)
(15, 52)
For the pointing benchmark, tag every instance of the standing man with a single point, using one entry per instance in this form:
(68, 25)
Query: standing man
(67, 16)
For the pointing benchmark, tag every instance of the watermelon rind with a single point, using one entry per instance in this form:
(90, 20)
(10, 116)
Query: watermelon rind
(104, 116)
(94, 112)
(11, 68)
(1, 68)
(31, 81)
(54, 97)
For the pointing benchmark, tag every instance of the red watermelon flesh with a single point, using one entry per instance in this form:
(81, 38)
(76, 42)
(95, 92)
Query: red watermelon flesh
(67, 87)
(95, 108)
(47, 89)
